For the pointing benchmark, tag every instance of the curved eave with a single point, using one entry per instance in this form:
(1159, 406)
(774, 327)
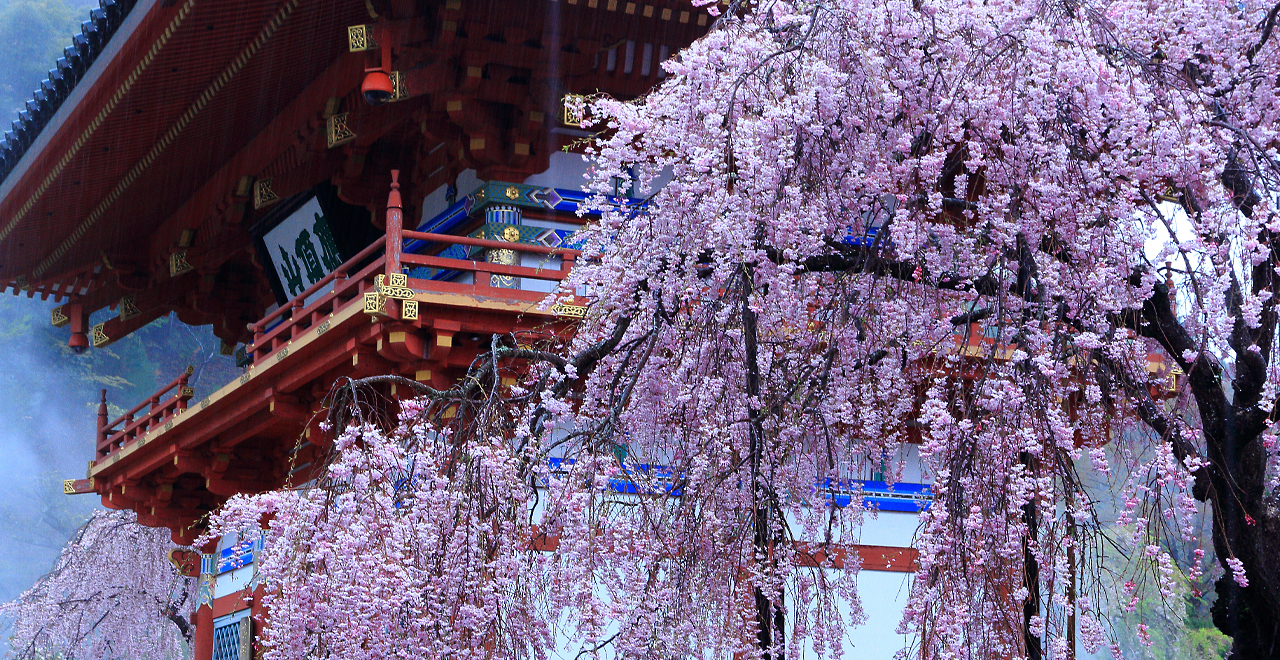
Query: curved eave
(171, 100)
(72, 69)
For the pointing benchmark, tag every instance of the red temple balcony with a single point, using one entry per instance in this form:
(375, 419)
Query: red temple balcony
(174, 458)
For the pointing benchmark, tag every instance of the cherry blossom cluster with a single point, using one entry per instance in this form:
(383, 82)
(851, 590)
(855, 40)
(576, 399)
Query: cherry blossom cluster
(112, 594)
(973, 227)
(959, 224)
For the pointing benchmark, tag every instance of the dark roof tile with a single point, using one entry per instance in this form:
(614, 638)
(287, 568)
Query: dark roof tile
(68, 70)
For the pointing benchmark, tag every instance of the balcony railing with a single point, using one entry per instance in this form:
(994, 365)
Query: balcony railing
(114, 434)
(371, 279)
(347, 286)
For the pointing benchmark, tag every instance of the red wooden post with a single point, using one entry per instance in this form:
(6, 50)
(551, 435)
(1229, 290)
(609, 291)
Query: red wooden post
(202, 639)
(483, 279)
(102, 420)
(181, 389)
(395, 225)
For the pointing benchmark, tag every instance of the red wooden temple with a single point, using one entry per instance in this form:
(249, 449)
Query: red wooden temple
(160, 177)
(340, 188)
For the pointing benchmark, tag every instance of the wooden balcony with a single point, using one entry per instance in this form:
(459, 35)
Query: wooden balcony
(175, 457)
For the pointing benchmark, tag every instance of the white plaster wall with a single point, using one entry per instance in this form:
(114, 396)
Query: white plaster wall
(883, 596)
(567, 170)
(233, 581)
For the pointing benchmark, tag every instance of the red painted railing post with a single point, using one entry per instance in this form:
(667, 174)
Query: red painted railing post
(483, 278)
(395, 225)
(102, 420)
(179, 394)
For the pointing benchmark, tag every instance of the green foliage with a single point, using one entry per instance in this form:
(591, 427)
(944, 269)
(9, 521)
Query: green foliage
(1172, 637)
(1205, 643)
(1179, 627)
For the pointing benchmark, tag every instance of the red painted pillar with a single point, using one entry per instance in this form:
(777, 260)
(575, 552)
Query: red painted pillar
(395, 224)
(202, 640)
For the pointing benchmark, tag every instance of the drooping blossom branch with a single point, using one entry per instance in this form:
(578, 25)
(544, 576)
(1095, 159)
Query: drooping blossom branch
(967, 227)
(112, 594)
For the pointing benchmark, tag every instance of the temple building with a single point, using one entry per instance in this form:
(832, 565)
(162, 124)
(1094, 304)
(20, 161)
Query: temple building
(340, 188)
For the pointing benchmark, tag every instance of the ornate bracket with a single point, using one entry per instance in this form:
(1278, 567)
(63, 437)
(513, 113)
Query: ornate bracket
(398, 289)
(263, 195)
(575, 110)
(360, 38)
(338, 132)
(572, 311)
(129, 304)
(374, 303)
(100, 337)
(399, 91)
(177, 264)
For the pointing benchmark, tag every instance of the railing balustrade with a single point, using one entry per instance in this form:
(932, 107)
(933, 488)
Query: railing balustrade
(348, 284)
(158, 411)
(296, 316)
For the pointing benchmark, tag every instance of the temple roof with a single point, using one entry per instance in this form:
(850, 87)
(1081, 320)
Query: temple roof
(191, 83)
(68, 71)
(167, 143)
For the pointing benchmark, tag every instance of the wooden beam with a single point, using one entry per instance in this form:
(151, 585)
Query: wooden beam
(344, 75)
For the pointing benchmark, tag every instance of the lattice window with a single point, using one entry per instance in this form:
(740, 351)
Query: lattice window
(232, 641)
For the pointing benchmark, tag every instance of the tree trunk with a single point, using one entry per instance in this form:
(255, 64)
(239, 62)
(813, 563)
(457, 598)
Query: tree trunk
(1245, 527)
(770, 617)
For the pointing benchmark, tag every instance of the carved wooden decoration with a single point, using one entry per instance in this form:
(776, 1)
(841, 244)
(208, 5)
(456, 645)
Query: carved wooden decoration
(574, 110)
(572, 311)
(399, 91)
(338, 132)
(263, 195)
(360, 38)
(178, 263)
(128, 307)
(100, 337)
(186, 561)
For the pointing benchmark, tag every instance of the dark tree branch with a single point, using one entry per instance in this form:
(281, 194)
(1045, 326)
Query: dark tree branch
(1110, 376)
(1268, 24)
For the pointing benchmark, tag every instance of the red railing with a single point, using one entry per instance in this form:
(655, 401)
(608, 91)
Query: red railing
(297, 316)
(339, 274)
(484, 268)
(158, 412)
(385, 257)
